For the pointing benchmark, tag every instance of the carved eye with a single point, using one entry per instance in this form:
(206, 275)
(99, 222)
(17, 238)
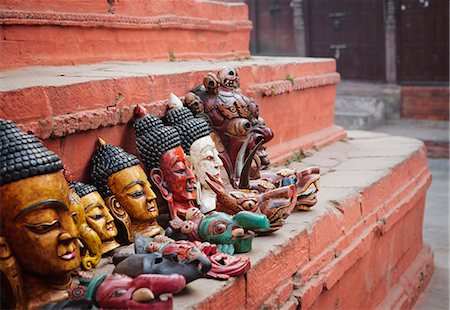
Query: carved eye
(231, 73)
(248, 205)
(209, 158)
(219, 229)
(44, 227)
(136, 194)
(96, 217)
(119, 293)
(239, 127)
(74, 217)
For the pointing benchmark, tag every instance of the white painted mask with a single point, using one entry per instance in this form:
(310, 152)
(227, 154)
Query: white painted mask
(204, 158)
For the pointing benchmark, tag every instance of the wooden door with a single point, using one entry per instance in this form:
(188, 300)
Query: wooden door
(352, 32)
(273, 27)
(423, 44)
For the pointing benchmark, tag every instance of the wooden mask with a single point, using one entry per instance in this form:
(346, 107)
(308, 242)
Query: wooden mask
(119, 177)
(97, 216)
(92, 242)
(35, 218)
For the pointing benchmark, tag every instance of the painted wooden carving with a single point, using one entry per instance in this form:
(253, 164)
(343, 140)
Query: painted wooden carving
(119, 177)
(146, 291)
(157, 263)
(215, 264)
(92, 244)
(306, 182)
(236, 121)
(36, 225)
(241, 135)
(118, 291)
(160, 149)
(97, 215)
(186, 251)
(199, 146)
(276, 203)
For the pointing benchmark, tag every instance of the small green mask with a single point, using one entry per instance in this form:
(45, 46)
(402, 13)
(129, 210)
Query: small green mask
(230, 233)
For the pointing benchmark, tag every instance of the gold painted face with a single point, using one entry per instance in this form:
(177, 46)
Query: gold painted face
(134, 193)
(76, 209)
(38, 226)
(98, 216)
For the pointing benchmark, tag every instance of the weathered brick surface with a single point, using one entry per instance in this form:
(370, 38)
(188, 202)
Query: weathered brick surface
(280, 296)
(268, 273)
(291, 304)
(425, 102)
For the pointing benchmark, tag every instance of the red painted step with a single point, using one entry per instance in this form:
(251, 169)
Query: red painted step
(70, 106)
(48, 33)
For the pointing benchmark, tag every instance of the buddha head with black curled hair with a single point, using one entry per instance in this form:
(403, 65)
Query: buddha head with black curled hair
(35, 220)
(123, 183)
(159, 146)
(97, 215)
(198, 144)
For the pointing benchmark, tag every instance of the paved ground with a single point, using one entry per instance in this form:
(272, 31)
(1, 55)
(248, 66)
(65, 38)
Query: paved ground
(436, 222)
(419, 129)
(436, 233)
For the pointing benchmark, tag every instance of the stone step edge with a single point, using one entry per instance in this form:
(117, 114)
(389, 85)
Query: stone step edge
(376, 218)
(140, 8)
(31, 18)
(353, 114)
(279, 153)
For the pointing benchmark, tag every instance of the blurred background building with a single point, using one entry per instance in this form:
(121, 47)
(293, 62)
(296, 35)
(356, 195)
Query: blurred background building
(402, 42)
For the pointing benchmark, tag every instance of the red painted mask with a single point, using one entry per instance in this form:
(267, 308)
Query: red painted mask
(147, 291)
(178, 175)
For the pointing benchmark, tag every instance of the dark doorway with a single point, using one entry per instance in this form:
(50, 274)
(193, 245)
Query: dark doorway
(423, 44)
(273, 27)
(352, 32)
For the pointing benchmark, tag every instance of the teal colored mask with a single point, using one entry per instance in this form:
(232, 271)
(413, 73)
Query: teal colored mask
(232, 234)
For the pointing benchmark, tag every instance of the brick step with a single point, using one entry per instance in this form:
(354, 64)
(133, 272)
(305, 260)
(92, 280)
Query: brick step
(388, 94)
(42, 33)
(425, 102)
(360, 247)
(70, 106)
(357, 112)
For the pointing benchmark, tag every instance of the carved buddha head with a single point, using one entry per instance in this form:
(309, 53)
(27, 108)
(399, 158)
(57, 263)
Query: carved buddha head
(92, 252)
(97, 215)
(159, 147)
(119, 177)
(198, 144)
(35, 220)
